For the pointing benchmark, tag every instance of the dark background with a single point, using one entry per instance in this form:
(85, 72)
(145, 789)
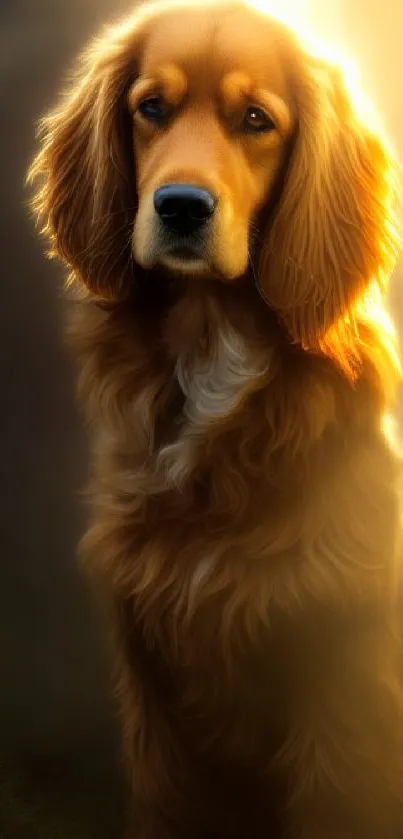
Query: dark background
(59, 776)
(59, 770)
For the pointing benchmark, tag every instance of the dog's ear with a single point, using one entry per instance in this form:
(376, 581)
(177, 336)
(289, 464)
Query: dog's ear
(334, 230)
(84, 172)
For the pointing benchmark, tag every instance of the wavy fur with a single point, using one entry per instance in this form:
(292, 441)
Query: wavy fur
(246, 517)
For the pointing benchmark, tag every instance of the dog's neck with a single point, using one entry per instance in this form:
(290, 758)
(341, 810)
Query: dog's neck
(219, 358)
(207, 372)
(195, 323)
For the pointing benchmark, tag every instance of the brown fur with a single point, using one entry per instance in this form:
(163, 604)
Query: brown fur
(246, 514)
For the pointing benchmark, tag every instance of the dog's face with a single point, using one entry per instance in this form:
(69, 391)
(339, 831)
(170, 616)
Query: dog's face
(193, 135)
(211, 128)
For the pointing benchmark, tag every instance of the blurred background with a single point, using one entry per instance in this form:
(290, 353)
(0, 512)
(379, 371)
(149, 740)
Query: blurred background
(60, 773)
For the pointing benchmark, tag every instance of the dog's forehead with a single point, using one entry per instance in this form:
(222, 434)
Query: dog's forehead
(207, 43)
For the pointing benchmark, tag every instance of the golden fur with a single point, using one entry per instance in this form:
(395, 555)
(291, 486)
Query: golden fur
(246, 513)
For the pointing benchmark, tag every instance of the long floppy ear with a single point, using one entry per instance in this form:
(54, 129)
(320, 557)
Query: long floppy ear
(86, 195)
(334, 231)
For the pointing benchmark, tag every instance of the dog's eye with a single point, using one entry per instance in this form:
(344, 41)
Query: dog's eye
(255, 121)
(153, 109)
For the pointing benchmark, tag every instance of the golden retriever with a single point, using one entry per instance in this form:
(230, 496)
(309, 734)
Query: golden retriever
(226, 209)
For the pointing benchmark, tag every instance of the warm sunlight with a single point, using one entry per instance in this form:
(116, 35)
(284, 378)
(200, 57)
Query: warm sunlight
(320, 26)
(326, 18)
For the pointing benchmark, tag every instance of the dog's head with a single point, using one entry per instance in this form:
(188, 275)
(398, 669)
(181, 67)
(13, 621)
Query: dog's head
(210, 142)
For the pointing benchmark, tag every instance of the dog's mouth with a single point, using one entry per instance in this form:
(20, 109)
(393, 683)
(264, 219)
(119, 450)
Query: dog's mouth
(184, 256)
(200, 254)
(186, 253)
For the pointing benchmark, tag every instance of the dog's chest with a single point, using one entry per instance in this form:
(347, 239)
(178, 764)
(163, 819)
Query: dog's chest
(233, 694)
(212, 381)
(191, 484)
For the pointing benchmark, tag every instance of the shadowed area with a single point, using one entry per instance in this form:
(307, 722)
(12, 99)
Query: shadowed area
(60, 770)
(60, 773)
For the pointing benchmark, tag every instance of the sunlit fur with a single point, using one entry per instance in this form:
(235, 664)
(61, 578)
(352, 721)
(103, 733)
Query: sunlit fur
(246, 518)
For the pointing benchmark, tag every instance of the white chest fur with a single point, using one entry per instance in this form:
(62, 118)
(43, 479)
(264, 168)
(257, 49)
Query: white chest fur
(214, 378)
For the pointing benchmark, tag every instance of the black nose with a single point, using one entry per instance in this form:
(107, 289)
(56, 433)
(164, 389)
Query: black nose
(184, 208)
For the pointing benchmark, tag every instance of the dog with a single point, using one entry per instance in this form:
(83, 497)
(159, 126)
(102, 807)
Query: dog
(225, 203)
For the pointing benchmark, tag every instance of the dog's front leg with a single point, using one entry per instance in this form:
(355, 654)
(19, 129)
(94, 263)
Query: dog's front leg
(164, 789)
(164, 792)
(344, 753)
